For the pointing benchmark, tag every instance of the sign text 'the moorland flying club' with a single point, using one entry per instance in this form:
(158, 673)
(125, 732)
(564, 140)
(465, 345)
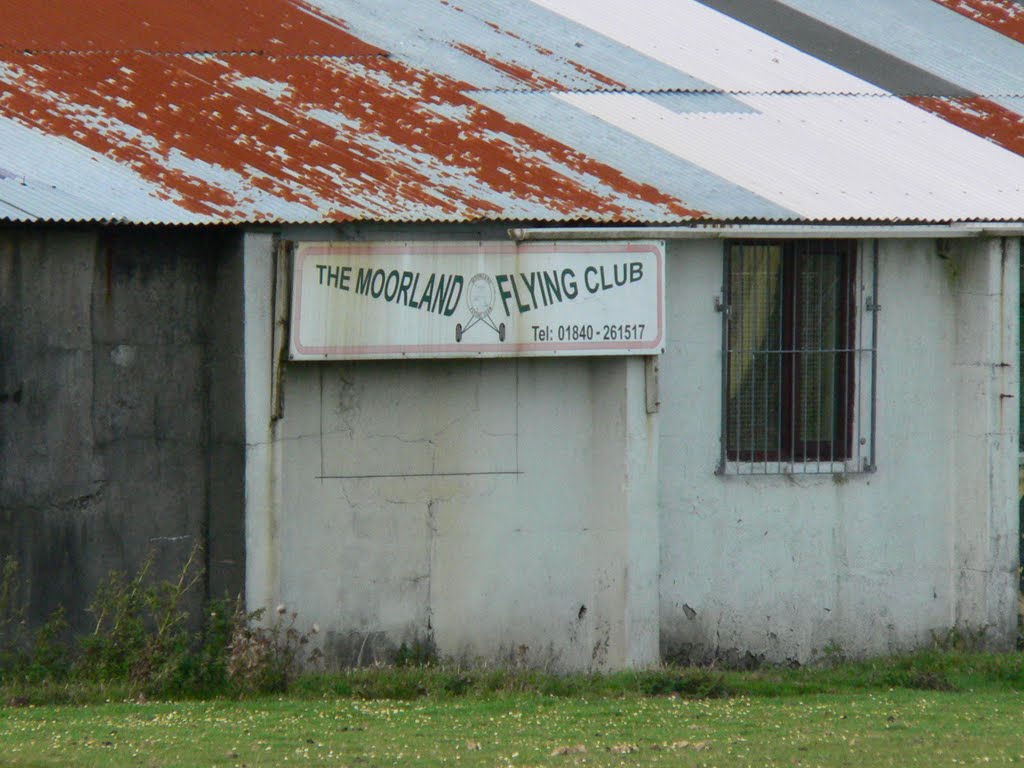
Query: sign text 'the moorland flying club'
(458, 299)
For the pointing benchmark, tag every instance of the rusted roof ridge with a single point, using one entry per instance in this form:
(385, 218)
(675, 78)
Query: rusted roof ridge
(9, 49)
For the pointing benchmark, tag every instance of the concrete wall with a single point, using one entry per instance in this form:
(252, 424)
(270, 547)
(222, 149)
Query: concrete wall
(525, 511)
(781, 567)
(522, 511)
(485, 506)
(121, 416)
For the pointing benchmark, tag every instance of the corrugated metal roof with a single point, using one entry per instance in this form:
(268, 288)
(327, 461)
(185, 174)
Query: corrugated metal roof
(932, 37)
(500, 45)
(256, 138)
(1004, 16)
(898, 169)
(556, 110)
(967, 73)
(171, 26)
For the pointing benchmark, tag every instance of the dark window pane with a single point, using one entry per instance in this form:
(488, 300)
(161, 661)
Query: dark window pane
(789, 388)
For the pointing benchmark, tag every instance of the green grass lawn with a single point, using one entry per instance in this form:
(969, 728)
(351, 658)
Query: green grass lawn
(900, 727)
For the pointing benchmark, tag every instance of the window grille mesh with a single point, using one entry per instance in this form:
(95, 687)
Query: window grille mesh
(798, 369)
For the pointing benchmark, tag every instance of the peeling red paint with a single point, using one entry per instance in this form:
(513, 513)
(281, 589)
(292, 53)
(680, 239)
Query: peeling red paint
(518, 72)
(269, 26)
(522, 74)
(980, 116)
(1004, 16)
(257, 123)
(601, 79)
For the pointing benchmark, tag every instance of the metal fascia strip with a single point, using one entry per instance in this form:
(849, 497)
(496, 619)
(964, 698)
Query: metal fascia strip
(809, 231)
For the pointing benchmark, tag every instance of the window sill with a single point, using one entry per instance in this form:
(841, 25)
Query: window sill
(786, 468)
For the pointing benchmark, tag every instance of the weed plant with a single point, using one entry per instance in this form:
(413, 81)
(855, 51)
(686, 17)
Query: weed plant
(142, 645)
(264, 658)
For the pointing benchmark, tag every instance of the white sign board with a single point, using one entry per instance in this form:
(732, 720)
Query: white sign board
(469, 299)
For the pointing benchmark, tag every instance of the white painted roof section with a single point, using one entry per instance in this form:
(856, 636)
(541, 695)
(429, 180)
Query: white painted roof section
(833, 157)
(710, 46)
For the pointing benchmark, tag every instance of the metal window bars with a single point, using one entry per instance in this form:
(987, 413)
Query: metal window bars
(799, 333)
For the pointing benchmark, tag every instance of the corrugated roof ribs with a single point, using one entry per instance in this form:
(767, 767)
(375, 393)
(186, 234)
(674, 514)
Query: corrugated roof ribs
(556, 110)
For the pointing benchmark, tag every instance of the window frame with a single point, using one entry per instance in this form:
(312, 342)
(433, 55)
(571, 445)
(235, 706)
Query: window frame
(851, 351)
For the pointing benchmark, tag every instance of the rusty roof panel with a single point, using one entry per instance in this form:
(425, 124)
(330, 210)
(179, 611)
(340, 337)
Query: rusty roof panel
(171, 26)
(369, 138)
(554, 110)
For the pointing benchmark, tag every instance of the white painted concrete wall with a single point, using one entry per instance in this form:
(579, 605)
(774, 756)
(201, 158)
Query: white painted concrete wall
(501, 509)
(783, 567)
(533, 512)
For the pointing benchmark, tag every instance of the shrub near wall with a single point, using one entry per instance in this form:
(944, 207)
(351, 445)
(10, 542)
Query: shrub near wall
(141, 642)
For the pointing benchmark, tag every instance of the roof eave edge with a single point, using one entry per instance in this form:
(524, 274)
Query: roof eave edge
(796, 231)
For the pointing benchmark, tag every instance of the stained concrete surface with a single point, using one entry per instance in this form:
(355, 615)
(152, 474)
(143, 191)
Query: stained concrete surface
(121, 425)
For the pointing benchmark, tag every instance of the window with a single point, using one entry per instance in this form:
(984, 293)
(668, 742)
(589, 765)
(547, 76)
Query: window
(797, 383)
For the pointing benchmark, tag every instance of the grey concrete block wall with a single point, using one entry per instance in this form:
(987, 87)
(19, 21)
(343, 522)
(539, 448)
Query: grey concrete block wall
(121, 415)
